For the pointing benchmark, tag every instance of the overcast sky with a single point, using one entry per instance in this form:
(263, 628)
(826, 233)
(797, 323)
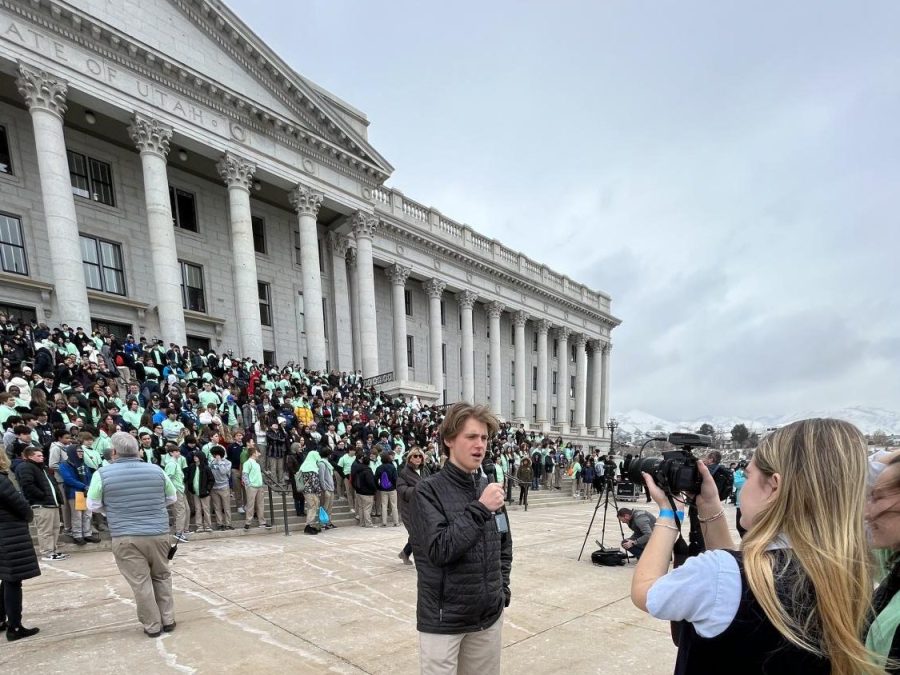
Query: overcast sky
(729, 172)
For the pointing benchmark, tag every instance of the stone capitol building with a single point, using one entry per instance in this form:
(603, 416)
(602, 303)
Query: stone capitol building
(164, 173)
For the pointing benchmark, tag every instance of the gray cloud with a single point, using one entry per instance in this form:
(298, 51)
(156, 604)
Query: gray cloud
(729, 178)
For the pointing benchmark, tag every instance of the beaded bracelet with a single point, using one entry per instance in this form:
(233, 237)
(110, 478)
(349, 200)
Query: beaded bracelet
(712, 518)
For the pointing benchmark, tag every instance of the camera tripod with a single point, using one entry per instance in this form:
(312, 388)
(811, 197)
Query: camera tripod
(608, 490)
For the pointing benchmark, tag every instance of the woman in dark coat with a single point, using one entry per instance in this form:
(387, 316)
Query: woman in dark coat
(413, 471)
(18, 560)
(524, 476)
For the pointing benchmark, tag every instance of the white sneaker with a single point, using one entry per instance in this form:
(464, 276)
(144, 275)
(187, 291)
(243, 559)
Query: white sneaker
(60, 556)
(49, 556)
(241, 509)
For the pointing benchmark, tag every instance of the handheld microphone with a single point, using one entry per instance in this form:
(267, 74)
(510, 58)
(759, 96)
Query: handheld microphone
(499, 516)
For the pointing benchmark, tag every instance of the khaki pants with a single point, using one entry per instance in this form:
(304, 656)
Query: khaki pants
(311, 501)
(364, 508)
(327, 502)
(81, 522)
(237, 488)
(46, 522)
(389, 498)
(276, 466)
(351, 494)
(256, 505)
(182, 513)
(201, 512)
(475, 653)
(221, 506)
(143, 561)
(576, 486)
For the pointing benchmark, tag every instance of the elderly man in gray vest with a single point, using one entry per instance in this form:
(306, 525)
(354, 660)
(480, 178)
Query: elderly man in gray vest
(134, 495)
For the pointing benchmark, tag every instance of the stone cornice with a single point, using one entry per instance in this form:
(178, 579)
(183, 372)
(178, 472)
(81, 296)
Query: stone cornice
(401, 233)
(89, 33)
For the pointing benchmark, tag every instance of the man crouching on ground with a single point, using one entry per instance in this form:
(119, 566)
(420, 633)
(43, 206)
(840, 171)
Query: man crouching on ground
(463, 552)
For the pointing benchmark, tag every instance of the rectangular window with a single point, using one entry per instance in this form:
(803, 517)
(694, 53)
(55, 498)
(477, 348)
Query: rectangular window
(301, 318)
(19, 313)
(119, 330)
(444, 361)
(5, 158)
(534, 411)
(12, 245)
(444, 396)
(195, 342)
(269, 357)
(534, 378)
(184, 209)
(91, 178)
(534, 342)
(320, 243)
(555, 348)
(407, 302)
(102, 264)
(265, 303)
(443, 315)
(512, 335)
(572, 387)
(410, 354)
(572, 350)
(259, 234)
(572, 417)
(553, 414)
(512, 374)
(297, 251)
(460, 320)
(488, 364)
(325, 316)
(553, 383)
(192, 296)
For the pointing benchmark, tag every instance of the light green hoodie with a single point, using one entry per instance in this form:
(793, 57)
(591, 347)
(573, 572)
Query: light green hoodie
(311, 463)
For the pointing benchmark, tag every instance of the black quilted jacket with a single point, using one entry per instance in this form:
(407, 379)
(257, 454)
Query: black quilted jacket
(463, 562)
(18, 560)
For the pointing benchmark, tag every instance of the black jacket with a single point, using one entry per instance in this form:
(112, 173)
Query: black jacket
(206, 482)
(37, 486)
(18, 560)
(406, 491)
(462, 560)
(362, 478)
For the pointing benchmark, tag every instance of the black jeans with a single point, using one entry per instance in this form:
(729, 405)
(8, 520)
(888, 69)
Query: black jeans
(407, 550)
(523, 494)
(11, 602)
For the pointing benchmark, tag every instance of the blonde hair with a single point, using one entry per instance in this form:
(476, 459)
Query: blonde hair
(4, 461)
(457, 416)
(818, 507)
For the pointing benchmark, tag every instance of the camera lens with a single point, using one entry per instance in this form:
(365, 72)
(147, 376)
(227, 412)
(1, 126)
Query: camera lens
(640, 466)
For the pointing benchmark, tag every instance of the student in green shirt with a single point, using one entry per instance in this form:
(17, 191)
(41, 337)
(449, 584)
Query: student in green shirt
(174, 469)
(251, 476)
(345, 464)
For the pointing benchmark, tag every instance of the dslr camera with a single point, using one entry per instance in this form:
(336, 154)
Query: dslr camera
(676, 471)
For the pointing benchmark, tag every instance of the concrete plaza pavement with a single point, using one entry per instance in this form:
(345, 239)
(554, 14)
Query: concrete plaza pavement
(340, 602)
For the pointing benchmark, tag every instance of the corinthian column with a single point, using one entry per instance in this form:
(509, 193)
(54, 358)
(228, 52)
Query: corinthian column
(434, 289)
(45, 96)
(520, 319)
(307, 203)
(364, 225)
(466, 302)
(580, 382)
(543, 327)
(596, 421)
(562, 382)
(152, 140)
(398, 276)
(237, 173)
(495, 311)
(341, 293)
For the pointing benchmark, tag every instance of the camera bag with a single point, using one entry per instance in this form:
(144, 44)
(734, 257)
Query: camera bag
(608, 558)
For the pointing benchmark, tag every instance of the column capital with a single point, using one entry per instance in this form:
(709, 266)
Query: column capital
(563, 333)
(581, 341)
(305, 201)
(495, 309)
(595, 345)
(398, 274)
(340, 244)
(41, 90)
(150, 135)
(607, 347)
(434, 288)
(236, 171)
(466, 299)
(543, 326)
(351, 254)
(363, 225)
(520, 318)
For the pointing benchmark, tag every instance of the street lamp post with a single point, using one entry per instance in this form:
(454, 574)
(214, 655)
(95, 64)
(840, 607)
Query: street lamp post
(612, 425)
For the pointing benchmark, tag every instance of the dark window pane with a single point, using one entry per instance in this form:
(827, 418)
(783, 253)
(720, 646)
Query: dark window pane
(119, 330)
(89, 251)
(101, 182)
(259, 234)
(185, 212)
(196, 342)
(114, 281)
(79, 175)
(5, 159)
(92, 277)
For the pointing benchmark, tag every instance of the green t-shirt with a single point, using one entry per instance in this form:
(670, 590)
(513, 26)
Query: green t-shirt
(253, 473)
(175, 472)
(346, 464)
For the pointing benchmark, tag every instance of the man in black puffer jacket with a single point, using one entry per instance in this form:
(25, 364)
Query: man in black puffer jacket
(463, 552)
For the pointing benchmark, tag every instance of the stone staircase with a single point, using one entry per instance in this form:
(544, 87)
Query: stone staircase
(341, 516)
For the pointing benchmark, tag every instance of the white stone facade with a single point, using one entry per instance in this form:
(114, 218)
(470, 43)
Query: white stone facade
(180, 94)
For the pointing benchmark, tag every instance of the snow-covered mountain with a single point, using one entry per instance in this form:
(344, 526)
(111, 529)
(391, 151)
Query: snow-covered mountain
(868, 419)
